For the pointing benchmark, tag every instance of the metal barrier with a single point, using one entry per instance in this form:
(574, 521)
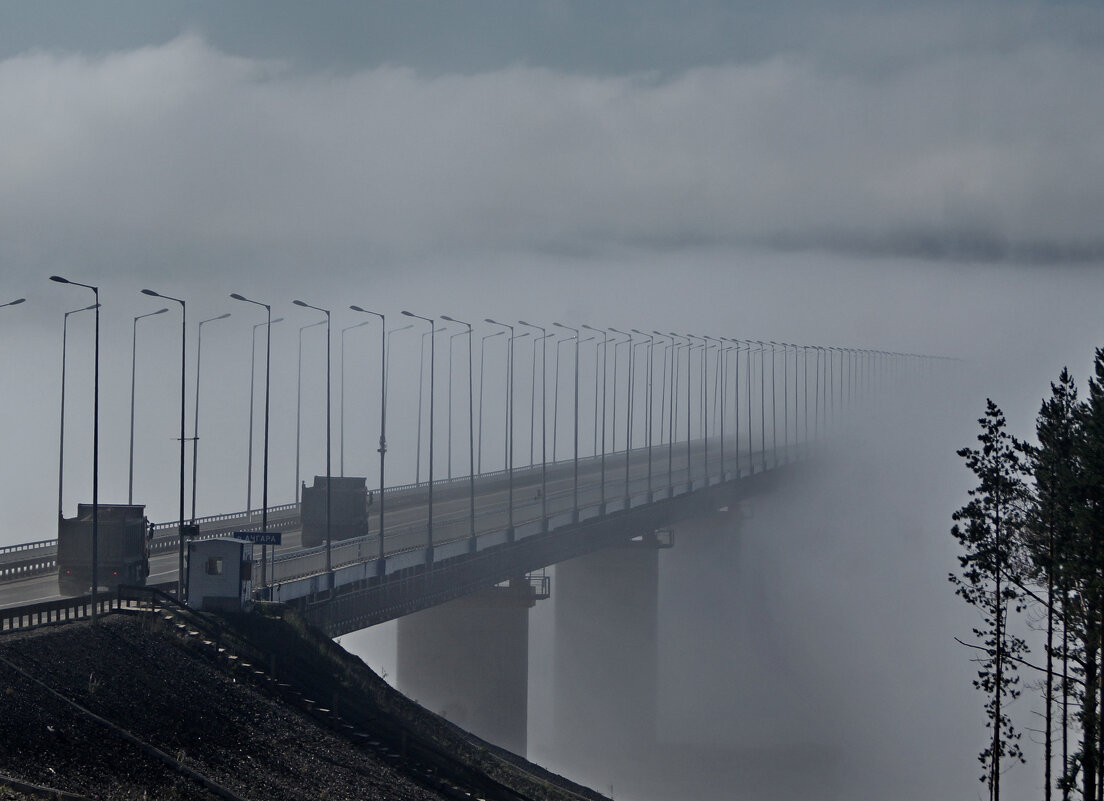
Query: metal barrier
(46, 613)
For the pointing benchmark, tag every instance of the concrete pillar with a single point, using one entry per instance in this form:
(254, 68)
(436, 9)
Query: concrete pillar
(605, 653)
(468, 660)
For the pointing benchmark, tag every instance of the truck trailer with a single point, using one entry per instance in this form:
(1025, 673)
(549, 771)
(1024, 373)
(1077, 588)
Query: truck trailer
(348, 509)
(123, 540)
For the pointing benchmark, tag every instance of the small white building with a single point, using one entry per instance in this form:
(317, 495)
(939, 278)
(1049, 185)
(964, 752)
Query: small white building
(220, 575)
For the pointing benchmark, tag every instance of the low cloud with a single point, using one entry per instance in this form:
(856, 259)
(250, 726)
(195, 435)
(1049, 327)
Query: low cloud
(164, 153)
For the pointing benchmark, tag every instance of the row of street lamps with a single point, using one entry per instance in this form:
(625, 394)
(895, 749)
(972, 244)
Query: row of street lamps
(855, 368)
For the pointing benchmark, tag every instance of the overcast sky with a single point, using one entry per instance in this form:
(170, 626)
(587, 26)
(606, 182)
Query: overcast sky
(921, 177)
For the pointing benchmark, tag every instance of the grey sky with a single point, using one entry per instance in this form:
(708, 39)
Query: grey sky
(915, 177)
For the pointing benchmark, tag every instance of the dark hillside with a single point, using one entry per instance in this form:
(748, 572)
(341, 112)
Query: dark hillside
(144, 706)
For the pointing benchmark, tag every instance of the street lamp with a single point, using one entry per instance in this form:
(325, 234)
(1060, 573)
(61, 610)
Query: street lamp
(183, 365)
(575, 480)
(16, 302)
(448, 446)
(195, 415)
(133, 349)
(556, 398)
(432, 351)
(341, 399)
(385, 336)
(252, 375)
(605, 371)
(482, 353)
(61, 448)
(648, 404)
(544, 417)
(329, 476)
(95, 442)
(471, 419)
(421, 373)
(509, 425)
(670, 435)
(298, 398)
(268, 365)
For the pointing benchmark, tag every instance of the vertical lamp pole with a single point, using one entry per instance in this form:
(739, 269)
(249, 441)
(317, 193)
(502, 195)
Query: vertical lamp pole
(432, 347)
(268, 364)
(648, 404)
(195, 413)
(482, 353)
(602, 462)
(382, 449)
(471, 424)
(341, 401)
(252, 373)
(95, 443)
(509, 426)
(183, 365)
(329, 475)
(133, 350)
(575, 479)
(298, 397)
(670, 438)
(61, 441)
(544, 419)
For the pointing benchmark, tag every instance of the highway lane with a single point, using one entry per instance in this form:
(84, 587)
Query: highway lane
(407, 509)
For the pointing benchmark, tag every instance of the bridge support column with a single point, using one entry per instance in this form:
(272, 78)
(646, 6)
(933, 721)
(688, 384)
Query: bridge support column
(605, 662)
(468, 660)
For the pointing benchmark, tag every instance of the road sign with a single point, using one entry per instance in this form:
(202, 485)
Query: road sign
(260, 537)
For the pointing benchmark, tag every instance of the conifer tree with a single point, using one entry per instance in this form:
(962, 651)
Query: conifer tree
(1053, 549)
(988, 528)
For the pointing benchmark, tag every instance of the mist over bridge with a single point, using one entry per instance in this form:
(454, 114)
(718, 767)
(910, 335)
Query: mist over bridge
(697, 437)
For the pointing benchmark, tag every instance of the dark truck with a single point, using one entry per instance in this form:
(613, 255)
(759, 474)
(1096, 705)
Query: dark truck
(122, 548)
(348, 513)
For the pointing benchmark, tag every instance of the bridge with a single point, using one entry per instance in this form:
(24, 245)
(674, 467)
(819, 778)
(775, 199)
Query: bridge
(460, 561)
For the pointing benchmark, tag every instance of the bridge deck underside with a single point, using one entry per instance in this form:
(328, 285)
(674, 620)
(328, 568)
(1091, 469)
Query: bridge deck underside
(378, 600)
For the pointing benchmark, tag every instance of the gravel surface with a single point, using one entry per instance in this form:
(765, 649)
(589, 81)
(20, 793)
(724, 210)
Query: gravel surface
(247, 733)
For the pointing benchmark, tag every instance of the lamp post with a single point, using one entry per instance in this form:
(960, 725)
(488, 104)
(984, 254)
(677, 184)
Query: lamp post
(421, 372)
(482, 353)
(133, 350)
(575, 479)
(268, 365)
(195, 414)
(648, 403)
(329, 476)
(689, 470)
(432, 349)
(471, 424)
(385, 336)
(252, 375)
(602, 462)
(670, 435)
(556, 397)
(628, 402)
(544, 419)
(298, 397)
(15, 302)
(183, 365)
(509, 425)
(448, 447)
(341, 400)
(61, 439)
(95, 443)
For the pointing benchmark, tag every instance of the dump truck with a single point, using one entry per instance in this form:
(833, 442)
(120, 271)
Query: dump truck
(348, 509)
(123, 541)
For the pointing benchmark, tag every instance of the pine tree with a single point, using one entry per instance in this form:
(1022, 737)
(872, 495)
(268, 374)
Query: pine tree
(991, 525)
(1053, 548)
(1088, 569)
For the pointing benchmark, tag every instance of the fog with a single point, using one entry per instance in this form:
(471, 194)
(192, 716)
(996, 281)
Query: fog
(919, 180)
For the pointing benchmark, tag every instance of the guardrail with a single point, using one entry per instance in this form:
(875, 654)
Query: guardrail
(49, 613)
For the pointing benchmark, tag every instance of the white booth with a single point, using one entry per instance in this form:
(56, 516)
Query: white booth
(220, 575)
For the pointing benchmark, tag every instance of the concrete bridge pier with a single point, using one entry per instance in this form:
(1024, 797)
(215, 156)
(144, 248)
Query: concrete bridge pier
(605, 653)
(468, 660)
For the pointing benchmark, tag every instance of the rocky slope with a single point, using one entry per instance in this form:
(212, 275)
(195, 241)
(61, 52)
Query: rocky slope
(147, 705)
